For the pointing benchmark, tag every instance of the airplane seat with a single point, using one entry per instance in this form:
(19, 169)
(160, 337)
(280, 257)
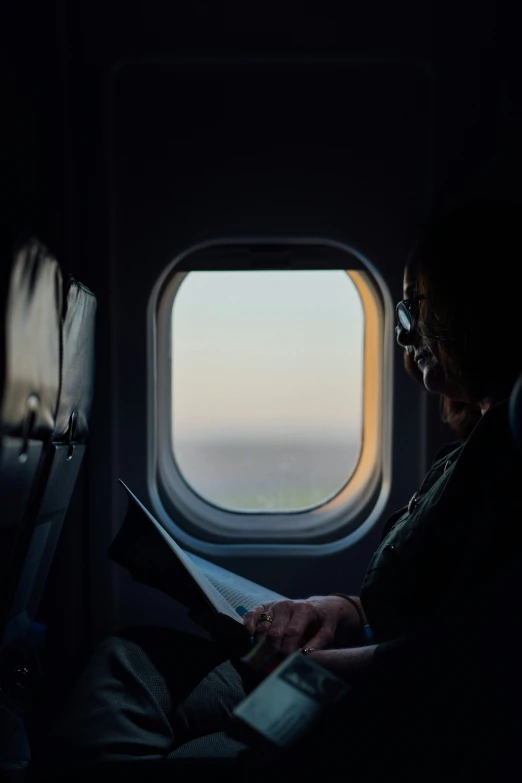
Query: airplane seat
(29, 388)
(31, 299)
(60, 465)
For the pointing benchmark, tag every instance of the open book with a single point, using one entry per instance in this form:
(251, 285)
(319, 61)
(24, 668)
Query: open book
(149, 552)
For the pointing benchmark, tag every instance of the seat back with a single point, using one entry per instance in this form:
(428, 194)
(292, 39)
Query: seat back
(61, 461)
(31, 291)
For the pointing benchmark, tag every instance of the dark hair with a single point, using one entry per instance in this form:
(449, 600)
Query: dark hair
(459, 416)
(470, 306)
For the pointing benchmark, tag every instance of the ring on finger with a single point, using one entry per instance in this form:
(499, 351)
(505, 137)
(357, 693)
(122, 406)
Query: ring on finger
(265, 616)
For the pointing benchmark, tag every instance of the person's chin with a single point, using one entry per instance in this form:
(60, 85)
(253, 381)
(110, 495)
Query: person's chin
(432, 381)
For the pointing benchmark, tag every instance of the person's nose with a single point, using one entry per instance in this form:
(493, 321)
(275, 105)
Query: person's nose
(405, 339)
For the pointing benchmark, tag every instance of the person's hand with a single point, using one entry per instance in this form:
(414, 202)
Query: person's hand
(313, 622)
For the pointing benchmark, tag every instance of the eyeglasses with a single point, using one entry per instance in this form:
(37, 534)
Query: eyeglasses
(407, 313)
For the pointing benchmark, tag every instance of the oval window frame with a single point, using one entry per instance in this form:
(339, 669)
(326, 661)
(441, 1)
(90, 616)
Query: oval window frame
(204, 526)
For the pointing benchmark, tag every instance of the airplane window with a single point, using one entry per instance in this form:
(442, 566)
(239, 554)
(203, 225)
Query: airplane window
(269, 396)
(267, 386)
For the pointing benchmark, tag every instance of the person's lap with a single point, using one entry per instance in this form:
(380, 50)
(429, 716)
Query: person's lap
(150, 693)
(156, 695)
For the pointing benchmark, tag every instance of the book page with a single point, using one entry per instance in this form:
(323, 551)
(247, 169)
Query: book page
(213, 596)
(236, 589)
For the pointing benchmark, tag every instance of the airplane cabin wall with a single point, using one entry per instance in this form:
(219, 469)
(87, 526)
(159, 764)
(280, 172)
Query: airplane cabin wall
(68, 188)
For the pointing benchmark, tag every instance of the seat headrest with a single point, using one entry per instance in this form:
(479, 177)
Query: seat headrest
(515, 412)
(30, 342)
(77, 363)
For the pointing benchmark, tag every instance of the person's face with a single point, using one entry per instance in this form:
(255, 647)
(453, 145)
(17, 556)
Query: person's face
(425, 350)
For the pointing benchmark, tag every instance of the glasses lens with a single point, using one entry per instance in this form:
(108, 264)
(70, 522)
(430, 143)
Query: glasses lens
(404, 317)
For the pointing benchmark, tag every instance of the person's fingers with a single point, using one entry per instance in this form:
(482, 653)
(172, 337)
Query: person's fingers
(322, 638)
(251, 618)
(303, 617)
(291, 623)
(274, 627)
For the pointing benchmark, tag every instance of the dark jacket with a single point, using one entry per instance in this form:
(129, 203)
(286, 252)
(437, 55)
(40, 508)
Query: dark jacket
(463, 527)
(443, 595)
(458, 540)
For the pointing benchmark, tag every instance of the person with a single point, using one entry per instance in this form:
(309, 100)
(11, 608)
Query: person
(461, 417)
(435, 693)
